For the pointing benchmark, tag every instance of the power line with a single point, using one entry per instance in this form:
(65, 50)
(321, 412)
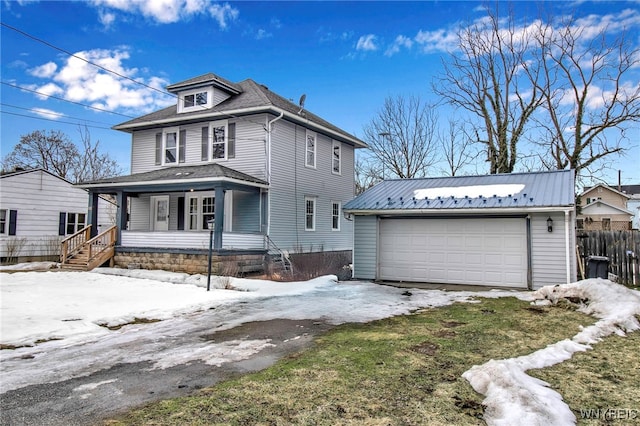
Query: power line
(83, 59)
(56, 121)
(65, 100)
(50, 113)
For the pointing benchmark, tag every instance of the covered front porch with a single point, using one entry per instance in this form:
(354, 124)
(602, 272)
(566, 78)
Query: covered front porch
(172, 209)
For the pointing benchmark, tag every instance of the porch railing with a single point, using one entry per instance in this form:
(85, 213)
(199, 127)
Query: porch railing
(101, 248)
(73, 244)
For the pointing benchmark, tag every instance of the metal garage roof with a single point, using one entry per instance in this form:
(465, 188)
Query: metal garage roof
(490, 192)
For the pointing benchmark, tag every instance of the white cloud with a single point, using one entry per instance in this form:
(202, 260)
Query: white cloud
(44, 71)
(107, 18)
(79, 81)
(400, 42)
(47, 113)
(263, 34)
(167, 11)
(46, 90)
(223, 14)
(439, 40)
(367, 43)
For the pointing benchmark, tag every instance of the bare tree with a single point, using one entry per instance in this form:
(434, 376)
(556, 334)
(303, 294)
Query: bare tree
(457, 148)
(588, 93)
(52, 151)
(490, 75)
(367, 173)
(55, 152)
(402, 137)
(93, 164)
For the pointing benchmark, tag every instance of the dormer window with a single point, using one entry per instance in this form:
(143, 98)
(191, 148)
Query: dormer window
(195, 100)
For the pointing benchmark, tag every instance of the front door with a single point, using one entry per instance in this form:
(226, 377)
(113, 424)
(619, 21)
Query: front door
(160, 212)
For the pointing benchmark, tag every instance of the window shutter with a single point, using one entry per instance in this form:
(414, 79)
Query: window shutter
(231, 144)
(158, 149)
(205, 144)
(62, 225)
(13, 221)
(182, 142)
(180, 213)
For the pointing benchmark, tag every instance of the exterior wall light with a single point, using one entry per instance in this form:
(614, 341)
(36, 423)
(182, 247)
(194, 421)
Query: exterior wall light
(549, 225)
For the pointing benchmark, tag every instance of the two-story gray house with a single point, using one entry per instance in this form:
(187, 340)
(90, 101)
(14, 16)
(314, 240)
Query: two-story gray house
(259, 169)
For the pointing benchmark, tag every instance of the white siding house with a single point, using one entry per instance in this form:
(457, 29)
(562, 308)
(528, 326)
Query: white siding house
(260, 169)
(38, 209)
(513, 230)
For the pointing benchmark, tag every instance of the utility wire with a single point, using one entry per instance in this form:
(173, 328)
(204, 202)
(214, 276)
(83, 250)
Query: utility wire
(51, 113)
(84, 59)
(56, 121)
(65, 100)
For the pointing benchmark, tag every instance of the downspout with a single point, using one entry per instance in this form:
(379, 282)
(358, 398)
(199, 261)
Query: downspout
(269, 123)
(566, 243)
(529, 254)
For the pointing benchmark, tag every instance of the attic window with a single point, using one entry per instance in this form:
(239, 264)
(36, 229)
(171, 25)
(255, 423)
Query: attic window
(195, 100)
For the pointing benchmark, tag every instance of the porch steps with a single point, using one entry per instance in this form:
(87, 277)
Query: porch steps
(279, 261)
(81, 253)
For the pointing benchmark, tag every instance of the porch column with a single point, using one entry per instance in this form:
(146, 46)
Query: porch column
(219, 221)
(93, 213)
(121, 213)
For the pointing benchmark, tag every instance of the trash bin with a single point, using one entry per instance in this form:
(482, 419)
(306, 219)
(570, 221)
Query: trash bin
(597, 267)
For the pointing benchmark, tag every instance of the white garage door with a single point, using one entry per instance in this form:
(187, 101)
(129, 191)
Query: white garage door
(482, 251)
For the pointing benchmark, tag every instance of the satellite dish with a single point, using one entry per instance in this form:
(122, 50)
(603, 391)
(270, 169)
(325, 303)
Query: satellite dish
(301, 102)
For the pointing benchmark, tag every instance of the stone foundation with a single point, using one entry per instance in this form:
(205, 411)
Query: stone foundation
(222, 263)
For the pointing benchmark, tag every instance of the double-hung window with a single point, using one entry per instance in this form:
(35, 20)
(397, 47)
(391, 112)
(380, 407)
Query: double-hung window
(310, 213)
(336, 158)
(171, 146)
(4, 221)
(310, 149)
(335, 215)
(201, 209)
(218, 141)
(70, 222)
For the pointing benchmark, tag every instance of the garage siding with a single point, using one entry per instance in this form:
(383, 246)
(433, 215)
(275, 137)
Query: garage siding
(548, 250)
(365, 247)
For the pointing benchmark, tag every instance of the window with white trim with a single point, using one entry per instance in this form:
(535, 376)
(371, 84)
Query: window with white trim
(218, 141)
(335, 215)
(310, 213)
(75, 222)
(195, 100)
(200, 210)
(336, 158)
(310, 149)
(4, 221)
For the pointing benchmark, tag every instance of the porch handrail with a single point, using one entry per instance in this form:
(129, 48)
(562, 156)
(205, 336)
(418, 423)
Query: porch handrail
(101, 244)
(272, 247)
(74, 243)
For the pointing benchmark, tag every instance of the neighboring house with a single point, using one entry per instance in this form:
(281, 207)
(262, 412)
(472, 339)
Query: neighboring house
(633, 203)
(261, 169)
(38, 209)
(602, 207)
(508, 230)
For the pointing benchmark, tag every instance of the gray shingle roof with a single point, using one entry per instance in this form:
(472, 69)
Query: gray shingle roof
(176, 174)
(253, 96)
(502, 191)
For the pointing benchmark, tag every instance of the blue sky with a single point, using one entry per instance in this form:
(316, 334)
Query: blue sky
(347, 57)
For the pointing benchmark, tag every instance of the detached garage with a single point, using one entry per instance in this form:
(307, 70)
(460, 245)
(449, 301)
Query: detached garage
(512, 230)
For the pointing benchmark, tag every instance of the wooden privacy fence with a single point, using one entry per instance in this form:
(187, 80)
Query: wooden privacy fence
(622, 249)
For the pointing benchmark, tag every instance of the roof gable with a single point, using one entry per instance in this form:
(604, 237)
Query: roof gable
(502, 191)
(600, 207)
(605, 187)
(251, 98)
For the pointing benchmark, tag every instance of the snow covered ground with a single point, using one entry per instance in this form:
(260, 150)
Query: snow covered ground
(59, 320)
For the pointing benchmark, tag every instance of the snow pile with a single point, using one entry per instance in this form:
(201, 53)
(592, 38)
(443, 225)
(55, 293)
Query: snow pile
(512, 396)
(41, 306)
